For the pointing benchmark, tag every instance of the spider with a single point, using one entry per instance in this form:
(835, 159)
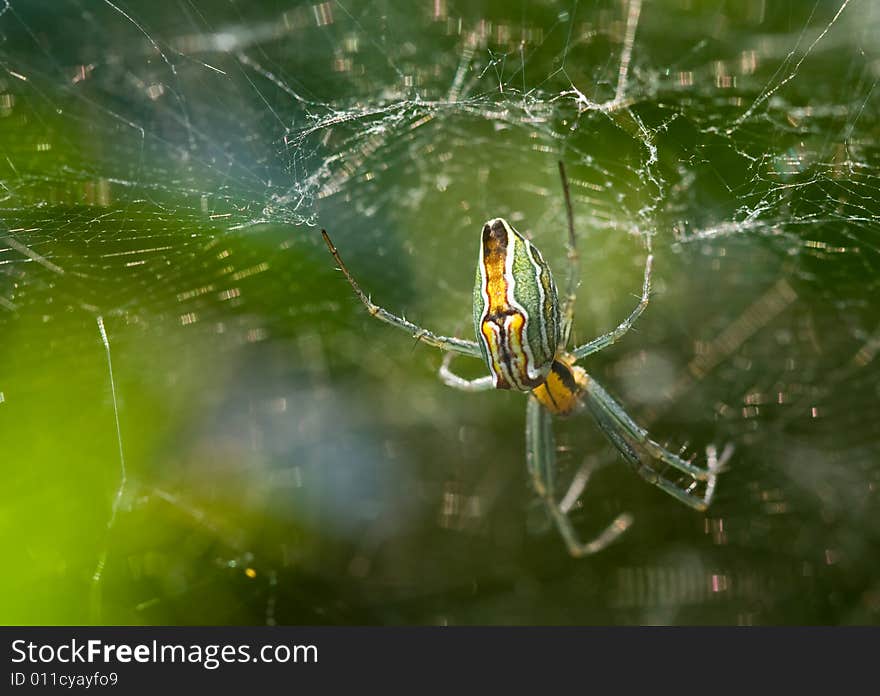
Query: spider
(522, 333)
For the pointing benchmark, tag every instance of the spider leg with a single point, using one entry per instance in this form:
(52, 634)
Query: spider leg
(541, 460)
(571, 285)
(600, 402)
(448, 343)
(577, 486)
(612, 337)
(626, 436)
(451, 379)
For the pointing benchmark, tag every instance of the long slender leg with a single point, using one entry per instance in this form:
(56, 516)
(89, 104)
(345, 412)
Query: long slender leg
(571, 285)
(611, 337)
(453, 380)
(626, 436)
(456, 345)
(716, 464)
(540, 448)
(577, 486)
(618, 439)
(541, 460)
(600, 400)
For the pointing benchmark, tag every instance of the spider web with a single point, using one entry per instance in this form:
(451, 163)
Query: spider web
(199, 424)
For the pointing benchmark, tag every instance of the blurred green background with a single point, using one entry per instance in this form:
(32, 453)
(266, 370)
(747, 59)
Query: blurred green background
(280, 457)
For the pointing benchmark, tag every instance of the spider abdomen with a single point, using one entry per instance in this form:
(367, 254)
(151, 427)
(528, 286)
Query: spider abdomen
(516, 308)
